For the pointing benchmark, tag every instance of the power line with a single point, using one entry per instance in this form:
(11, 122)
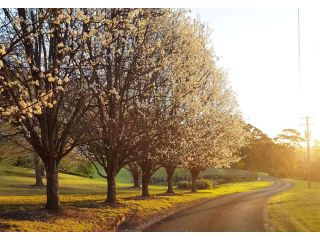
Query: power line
(299, 51)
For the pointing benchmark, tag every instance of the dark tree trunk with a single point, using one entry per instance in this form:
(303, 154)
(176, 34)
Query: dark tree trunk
(43, 170)
(136, 180)
(134, 170)
(170, 172)
(111, 194)
(145, 185)
(53, 201)
(38, 171)
(194, 176)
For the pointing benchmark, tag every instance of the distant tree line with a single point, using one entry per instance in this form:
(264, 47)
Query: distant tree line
(282, 156)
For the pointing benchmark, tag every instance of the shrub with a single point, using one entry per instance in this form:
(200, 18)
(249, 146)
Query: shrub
(24, 161)
(200, 184)
(184, 185)
(204, 184)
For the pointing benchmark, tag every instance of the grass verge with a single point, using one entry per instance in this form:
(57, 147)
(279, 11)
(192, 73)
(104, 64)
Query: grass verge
(296, 210)
(82, 202)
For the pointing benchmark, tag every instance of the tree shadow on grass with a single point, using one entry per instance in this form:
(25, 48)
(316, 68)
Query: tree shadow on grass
(80, 212)
(198, 192)
(153, 196)
(130, 188)
(5, 227)
(95, 204)
(169, 194)
(86, 204)
(16, 173)
(35, 214)
(139, 197)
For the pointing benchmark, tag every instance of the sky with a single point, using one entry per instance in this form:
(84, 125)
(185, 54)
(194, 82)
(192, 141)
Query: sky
(259, 50)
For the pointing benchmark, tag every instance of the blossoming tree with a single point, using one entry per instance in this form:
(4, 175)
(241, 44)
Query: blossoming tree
(215, 132)
(128, 53)
(42, 90)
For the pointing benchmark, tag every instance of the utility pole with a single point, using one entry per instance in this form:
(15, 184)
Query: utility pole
(308, 161)
(307, 135)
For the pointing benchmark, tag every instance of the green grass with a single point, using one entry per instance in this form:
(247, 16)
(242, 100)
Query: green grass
(210, 171)
(297, 210)
(125, 177)
(82, 201)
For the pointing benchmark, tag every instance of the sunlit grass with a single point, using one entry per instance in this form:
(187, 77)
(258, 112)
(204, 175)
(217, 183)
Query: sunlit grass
(297, 209)
(82, 201)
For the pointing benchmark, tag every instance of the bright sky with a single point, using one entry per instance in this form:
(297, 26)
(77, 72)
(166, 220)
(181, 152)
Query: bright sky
(259, 48)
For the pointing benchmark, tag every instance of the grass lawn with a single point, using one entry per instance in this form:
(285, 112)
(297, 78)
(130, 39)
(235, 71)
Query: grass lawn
(124, 175)
(296, 209)
(82, 202)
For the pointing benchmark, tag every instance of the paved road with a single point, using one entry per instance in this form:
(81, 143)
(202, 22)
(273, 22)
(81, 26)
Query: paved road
(239, 212)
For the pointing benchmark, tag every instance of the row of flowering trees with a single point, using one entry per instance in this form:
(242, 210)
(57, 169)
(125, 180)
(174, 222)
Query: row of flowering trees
(121, 86)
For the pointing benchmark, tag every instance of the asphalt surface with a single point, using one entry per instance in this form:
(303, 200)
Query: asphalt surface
(238, 212)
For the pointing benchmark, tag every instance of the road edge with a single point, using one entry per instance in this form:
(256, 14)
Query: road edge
(155, 219)
(266, 219)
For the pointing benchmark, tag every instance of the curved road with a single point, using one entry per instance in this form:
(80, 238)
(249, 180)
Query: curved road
(239, 212)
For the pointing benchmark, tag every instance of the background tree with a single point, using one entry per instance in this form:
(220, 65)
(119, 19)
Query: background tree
(212, 127)
(286, 153)
(290, 137)
(16, 151)
(281, 156)
(257, 154)
(215, 130)
(315, 163)
(315, 153)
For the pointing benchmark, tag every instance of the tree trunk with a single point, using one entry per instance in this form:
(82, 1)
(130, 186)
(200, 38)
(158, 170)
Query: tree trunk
(111, 194)
(145, 185)
(134, 170)
(136, 180)
(38, 171)
(43, 170)
(170, 172)
(53, 201)
(194, 176)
